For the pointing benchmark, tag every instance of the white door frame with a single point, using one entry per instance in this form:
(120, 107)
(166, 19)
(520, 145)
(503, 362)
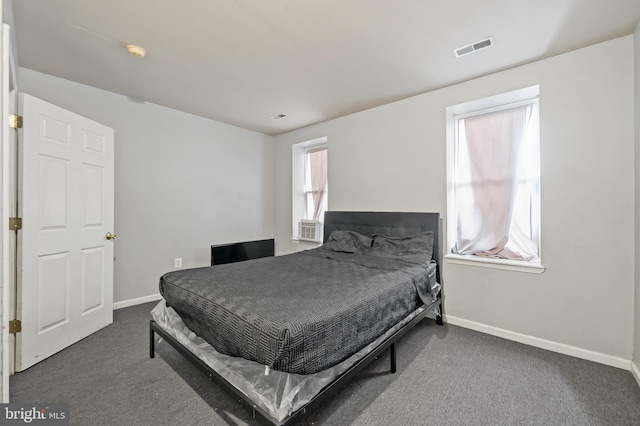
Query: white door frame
(8, 166)
(11, 85)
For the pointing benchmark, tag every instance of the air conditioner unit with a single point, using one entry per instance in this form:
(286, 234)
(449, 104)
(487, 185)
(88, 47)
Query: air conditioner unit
(310, 230)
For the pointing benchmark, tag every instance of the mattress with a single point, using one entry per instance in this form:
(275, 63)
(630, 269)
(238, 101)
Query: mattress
(300, 313)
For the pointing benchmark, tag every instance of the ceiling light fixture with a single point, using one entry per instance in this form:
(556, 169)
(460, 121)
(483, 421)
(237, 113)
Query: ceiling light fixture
(279, 116)
(473, 47)
(136, 51)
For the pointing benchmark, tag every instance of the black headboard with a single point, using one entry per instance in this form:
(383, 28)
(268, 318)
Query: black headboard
(392, 224)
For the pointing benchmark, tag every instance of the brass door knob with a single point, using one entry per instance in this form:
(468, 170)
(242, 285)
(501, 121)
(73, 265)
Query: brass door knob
(110, 236)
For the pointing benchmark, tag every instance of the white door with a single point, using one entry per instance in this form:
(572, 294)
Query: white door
(65, 291)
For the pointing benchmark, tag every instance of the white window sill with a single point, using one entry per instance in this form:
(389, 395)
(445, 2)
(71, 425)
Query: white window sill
(484, 262)
(298, 241)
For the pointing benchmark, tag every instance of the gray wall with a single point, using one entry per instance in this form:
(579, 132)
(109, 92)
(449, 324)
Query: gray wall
(182, 182)
(8, 18)
(393, 158)
(636, 353)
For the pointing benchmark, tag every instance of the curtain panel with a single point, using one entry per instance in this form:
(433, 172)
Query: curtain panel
(488, 178)
(318, 174)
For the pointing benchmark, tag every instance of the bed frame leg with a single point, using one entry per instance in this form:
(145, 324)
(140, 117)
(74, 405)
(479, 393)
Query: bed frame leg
(152, 348)
(392, 353)
(441, 310)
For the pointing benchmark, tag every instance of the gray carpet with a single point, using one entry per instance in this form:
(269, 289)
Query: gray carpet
(446, 375)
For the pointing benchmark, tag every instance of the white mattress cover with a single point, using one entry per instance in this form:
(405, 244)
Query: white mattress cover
(278, 393)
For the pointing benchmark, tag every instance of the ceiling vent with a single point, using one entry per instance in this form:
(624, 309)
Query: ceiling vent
(474, 47)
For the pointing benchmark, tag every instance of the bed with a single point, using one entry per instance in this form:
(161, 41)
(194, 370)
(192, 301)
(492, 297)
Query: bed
(285, 333)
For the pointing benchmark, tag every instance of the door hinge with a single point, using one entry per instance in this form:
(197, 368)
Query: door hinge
(15, 223)
(15, 121)
(15, 326)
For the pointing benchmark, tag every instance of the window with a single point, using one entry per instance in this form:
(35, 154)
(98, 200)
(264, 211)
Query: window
(494, 178)
(310, 185)
(315, 182)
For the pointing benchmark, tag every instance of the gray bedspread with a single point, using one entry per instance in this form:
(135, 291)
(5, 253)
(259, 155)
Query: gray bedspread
(300, 313)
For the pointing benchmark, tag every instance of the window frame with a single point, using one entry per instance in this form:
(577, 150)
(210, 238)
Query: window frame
(469, 109)
(298, 190)
(308, 191)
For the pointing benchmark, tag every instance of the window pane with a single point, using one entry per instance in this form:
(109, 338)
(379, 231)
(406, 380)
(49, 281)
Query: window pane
(496, 174)
(316, 183)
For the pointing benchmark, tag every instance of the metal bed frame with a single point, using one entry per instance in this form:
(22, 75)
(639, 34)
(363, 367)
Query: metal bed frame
(366, 223)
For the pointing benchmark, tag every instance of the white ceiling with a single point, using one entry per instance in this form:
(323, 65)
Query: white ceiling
(243, 61)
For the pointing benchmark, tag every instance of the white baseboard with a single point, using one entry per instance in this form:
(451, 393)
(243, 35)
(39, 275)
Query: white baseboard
(636, 371)
(136, 301)
(549, 345)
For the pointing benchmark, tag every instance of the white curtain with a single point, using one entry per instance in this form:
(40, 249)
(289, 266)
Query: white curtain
(317, 160)
(490, 188)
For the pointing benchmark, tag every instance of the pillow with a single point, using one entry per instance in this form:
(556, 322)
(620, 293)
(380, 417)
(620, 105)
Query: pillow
(417, 248)
(348, 242)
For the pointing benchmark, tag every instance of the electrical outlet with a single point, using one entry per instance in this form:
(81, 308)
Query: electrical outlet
(177, 262)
